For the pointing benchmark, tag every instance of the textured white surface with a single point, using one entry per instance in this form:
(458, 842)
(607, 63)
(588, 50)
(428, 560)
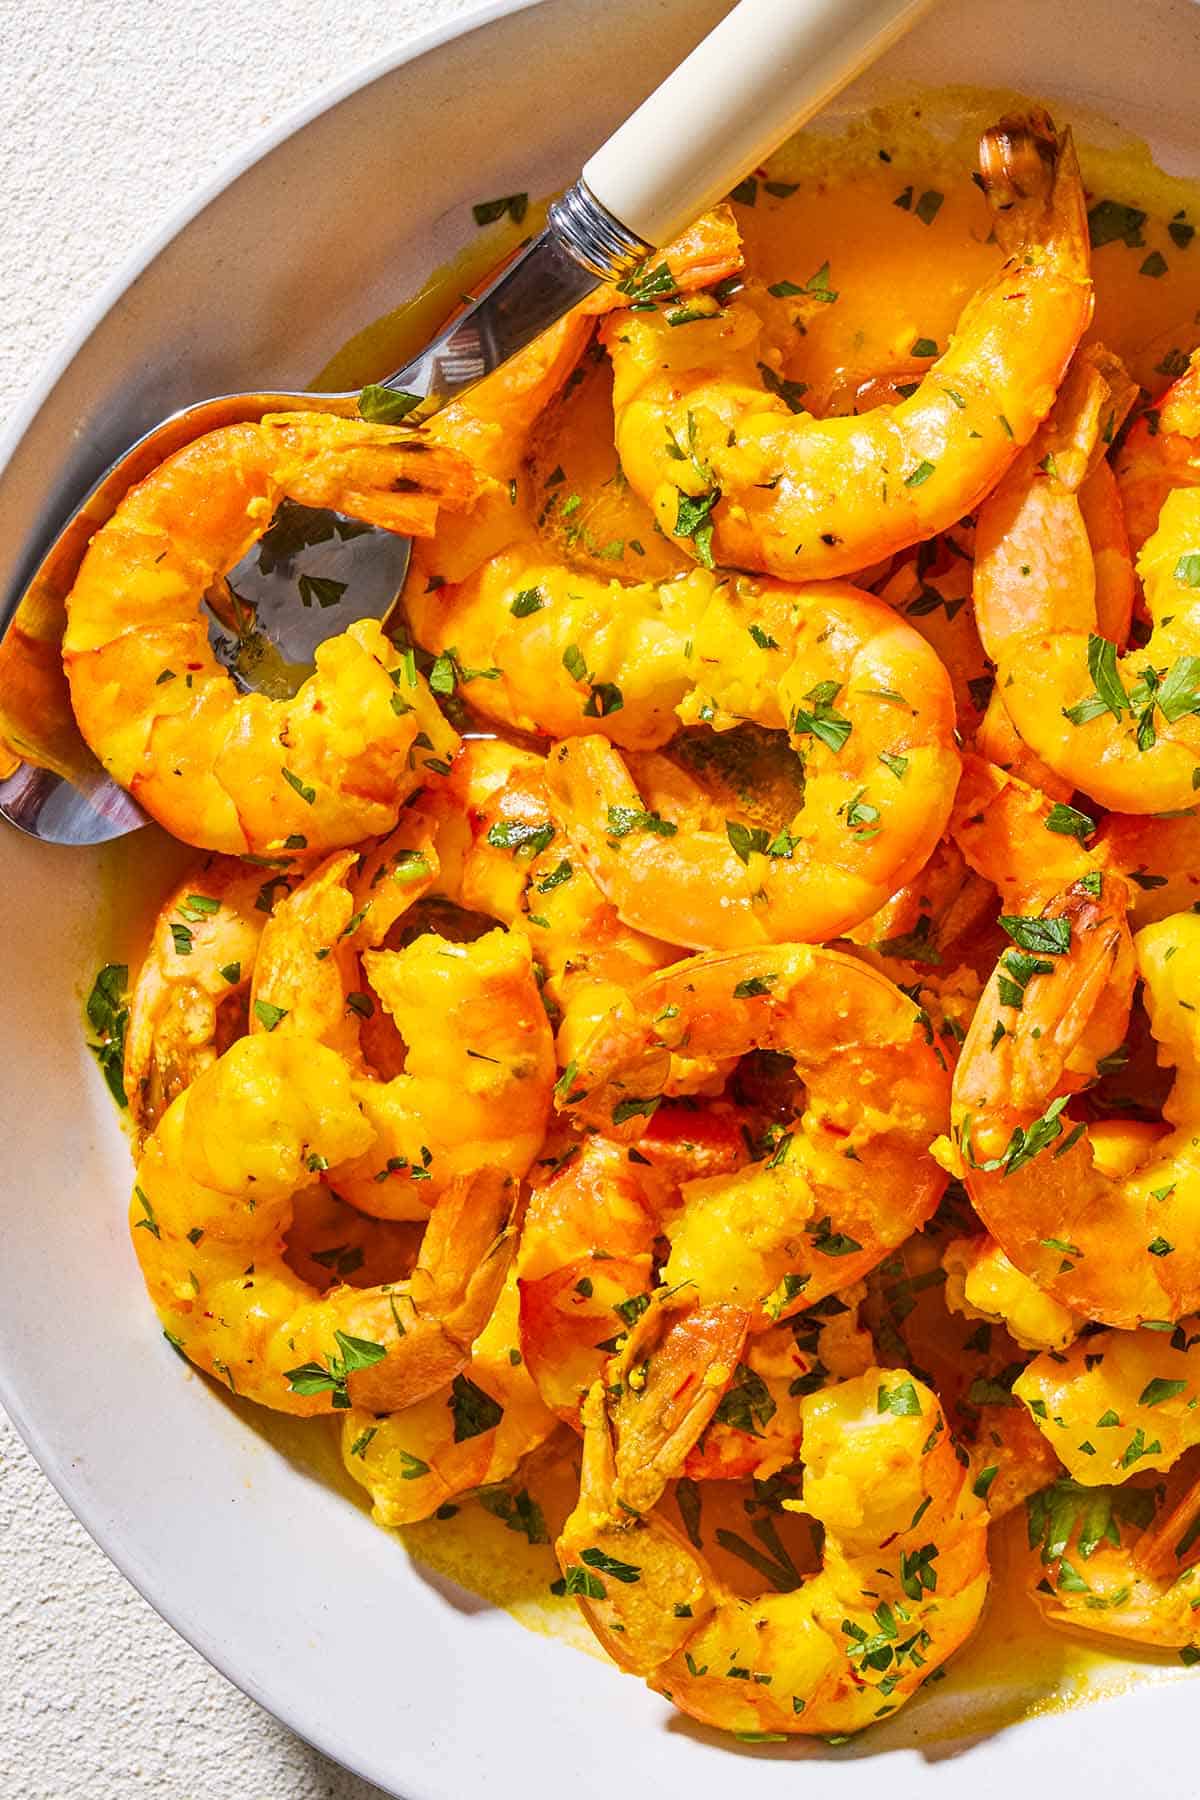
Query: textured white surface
(112, 114)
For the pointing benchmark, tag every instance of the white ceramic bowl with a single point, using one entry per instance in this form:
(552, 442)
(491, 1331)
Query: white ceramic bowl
(268, 1571)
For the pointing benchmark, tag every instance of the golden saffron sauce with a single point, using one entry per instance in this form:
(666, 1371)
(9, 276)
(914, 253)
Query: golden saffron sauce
(890, 205)
(885, 213)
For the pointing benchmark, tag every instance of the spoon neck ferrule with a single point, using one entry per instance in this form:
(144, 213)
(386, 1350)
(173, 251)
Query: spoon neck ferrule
(593, 237)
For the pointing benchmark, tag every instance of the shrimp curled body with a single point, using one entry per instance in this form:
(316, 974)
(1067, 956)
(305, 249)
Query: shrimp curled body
(241, 772)
(213, 1199)
(1117, 1248)
(869, 708)
(847, 1181)
(1123, 730)
(902, 1585)
(732, 471)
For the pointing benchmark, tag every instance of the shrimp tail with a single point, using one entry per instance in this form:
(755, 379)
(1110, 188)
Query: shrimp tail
(1031, 177)
(464, 1261)
(668, 1380)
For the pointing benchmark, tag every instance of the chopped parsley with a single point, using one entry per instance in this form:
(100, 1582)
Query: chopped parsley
(648, 283)
(1042, 936)
(520, 1512)
(521, 836)
(321, 588)
(1067, 821)
(746, 1405)
(386, 406)
(636, 1107)
(817, 287)
(107, 1011)
(474, 1411)
(818, 717)
(789, 391)
(693, 519)
(306, 793)
(486, 212)
(625, 819)
(1111, 222)
(352, 1354)
(902, 1400)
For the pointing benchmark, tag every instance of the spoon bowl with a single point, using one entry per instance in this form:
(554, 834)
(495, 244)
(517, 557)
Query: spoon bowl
(275, 607)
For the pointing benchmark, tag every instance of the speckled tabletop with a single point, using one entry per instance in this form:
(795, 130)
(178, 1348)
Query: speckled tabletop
(114, 110)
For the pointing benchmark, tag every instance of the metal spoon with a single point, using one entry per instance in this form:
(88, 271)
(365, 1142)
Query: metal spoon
(768, 66)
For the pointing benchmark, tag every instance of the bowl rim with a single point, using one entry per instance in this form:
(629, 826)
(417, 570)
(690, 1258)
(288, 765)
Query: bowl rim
(126, 1554)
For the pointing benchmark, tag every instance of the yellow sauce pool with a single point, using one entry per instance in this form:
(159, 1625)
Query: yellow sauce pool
(902, 270)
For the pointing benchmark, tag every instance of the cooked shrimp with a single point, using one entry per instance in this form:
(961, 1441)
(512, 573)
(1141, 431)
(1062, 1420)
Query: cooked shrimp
(664, 1386)
(757, 1429)
(489, 842)
(691, 1393)
(704, 253)
(869, 708)
(189, 999)
(1049, 620)
(981, 1283)
(902, 1584)
(551, 649)
(469, 1434)
(936, 938)
(1120, 1250)
(1160, 857)
(505, 851)
(1033, 852)
(477, 1050)
(1103, 567)
(998, 741)
(306, 972)
(587, 1244)
(972, 1366)
(213, 1200)
(1118, 1403)
(309, 976)
(735, 476)
(1135, 749)
(504, 593)
(586, 1278)
(1035, 564)
(240, 772)
(1160, 453)
(852, 1175)
(1028, 848)
(478, 1075)
(932, 589)
(492, 841)
(1118, 1561)
(1112, 553)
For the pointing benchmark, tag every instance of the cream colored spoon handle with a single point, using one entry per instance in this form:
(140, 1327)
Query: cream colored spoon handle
(765, 69)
